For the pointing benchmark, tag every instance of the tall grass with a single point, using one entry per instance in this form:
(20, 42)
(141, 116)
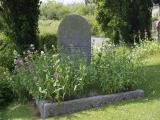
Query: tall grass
(59, 77)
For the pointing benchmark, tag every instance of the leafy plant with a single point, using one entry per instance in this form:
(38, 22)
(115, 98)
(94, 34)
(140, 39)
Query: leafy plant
(53, 10)
(48, 41)
(21, 17)
(6, 94)
(59, 77)
(47, 76)
(95, 28)
(6, 52)
(120, 19)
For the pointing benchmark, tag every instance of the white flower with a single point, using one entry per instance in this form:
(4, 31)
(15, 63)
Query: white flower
(31, 45)
(42, 52)
(15, 53)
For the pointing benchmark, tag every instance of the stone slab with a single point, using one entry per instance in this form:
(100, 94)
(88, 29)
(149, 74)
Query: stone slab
(49, 109)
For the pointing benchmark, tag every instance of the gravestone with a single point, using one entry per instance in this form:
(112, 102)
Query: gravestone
(74, 37)
(158, 30)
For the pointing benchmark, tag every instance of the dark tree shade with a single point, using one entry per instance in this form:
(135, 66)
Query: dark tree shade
(21, 17)
(131, 19)
(156, 1)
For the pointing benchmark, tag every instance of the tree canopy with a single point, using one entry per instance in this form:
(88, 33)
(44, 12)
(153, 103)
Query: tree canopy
(21, 18)
(130, 20)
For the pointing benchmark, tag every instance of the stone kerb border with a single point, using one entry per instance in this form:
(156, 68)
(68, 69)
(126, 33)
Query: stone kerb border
(49, 109)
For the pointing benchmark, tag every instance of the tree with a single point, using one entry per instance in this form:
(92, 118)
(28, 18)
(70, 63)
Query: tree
(156, 1)
(127, 18)
(21, 18)
(54, 10)
(89, 1)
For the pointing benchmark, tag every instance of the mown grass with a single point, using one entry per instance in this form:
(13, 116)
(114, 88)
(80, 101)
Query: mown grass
(144, 109)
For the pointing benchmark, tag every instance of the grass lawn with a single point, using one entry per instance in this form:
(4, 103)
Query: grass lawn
(145, 109)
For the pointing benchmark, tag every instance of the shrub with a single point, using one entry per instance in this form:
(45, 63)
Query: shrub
(56, 11)
(53, 10)
(6, 52)
(6, 94)
(21, 17)
(47, 76)
(58, 78)
(95, 29)
(117, 70)
(82, 9)
(48, 40)
(146, 48)
(127, 25)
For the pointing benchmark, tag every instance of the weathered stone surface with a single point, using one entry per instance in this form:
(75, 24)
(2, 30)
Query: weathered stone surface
(48, 109)
(74, 37)
(158, 30)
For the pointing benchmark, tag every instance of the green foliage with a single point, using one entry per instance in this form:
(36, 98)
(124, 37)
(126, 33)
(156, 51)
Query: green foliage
(51, 26)
(95, 28)
(130, 19)
(58, 77)
(48, 26)
(6, 94)
(136, 109)
(48, 41)
(6, 52)
(3, 26)
(21, 17)
(146, 48)
(54, 10)
(47, 76)
(87, 2)
(82, 9)
(116, 70)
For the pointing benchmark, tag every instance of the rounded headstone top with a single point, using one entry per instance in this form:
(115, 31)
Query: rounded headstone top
(74, 30)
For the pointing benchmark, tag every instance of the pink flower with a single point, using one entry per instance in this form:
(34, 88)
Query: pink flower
(145, 30)
(29, 63)
(31, 48)
(18, 61)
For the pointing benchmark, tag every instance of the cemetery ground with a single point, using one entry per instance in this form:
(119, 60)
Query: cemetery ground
(144, 109)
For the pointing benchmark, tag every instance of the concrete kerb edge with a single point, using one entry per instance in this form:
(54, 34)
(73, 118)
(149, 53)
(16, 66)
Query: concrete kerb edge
(50, 109)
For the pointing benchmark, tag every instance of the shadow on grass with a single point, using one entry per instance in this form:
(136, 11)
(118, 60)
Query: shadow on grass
(17, 111)
(151, 85)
